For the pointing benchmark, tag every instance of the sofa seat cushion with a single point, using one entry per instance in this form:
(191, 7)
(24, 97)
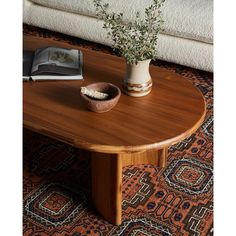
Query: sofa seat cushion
(191, 19)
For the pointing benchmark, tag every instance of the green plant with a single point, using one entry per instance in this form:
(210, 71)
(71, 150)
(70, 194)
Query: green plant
(135, 41)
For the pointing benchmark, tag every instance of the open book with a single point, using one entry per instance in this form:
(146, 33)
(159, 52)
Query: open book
(52, 63)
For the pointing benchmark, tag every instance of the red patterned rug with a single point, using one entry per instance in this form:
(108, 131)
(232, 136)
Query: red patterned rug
(177, 200)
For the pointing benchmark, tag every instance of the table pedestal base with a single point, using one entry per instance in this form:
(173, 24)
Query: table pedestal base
(107, 178)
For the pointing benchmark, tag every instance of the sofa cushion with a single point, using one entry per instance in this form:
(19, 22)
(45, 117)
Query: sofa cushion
(179, 50)
(191, 19)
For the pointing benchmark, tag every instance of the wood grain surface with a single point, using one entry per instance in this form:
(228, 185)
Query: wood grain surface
(106, 185)
(171, 112)
(138, 158)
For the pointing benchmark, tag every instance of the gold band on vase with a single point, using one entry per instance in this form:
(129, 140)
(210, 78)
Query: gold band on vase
(137, 89)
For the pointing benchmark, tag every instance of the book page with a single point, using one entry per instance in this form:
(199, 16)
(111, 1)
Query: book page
(60, 57)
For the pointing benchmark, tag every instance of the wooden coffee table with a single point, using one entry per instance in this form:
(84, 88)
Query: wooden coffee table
(136, 131)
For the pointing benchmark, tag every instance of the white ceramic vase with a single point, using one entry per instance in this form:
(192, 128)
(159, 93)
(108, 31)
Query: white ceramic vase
(137, 82)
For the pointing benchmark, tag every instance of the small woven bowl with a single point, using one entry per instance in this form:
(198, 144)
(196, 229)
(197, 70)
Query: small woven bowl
(101, 106)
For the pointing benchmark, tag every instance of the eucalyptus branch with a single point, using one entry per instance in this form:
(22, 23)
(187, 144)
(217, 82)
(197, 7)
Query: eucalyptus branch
(135, 41)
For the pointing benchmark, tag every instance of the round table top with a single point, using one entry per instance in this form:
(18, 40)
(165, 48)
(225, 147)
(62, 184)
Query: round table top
(173, 110)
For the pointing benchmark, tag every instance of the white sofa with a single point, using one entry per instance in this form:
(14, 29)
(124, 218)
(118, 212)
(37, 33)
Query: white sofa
(187, 38)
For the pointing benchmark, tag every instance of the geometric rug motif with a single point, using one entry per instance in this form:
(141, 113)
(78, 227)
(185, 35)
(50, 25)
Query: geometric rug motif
(197, 218)
(189, 176)
(185, 144)
(54, 205)
(167, 207)
(145, 226)
(144, 188)
(57, 152)
(202, 147)
(207, 126)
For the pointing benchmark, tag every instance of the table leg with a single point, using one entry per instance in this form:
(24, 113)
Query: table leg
(106, 185)
(107, 178)
(163, 154)
(152, 157)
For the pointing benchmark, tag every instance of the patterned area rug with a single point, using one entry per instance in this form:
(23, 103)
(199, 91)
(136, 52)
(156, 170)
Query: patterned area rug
(177, 200)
